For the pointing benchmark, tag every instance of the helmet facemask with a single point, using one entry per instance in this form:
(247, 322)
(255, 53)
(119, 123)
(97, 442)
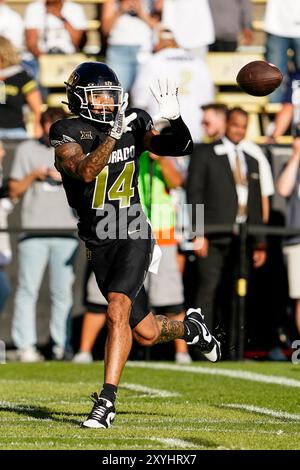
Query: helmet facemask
(99, 103)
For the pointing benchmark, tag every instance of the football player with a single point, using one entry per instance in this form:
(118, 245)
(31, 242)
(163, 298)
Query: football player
(97, 154)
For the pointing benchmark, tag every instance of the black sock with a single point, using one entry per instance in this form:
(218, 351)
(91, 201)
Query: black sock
(109, 391)
(190, 331)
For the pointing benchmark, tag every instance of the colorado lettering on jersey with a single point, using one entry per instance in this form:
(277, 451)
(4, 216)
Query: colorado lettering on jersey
(121, 155)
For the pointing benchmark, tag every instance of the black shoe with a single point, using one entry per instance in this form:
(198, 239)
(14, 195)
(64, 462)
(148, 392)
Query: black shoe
(208, 345)
(102, 414)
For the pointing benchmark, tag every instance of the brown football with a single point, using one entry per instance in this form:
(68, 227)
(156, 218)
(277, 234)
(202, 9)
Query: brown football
(259, 78)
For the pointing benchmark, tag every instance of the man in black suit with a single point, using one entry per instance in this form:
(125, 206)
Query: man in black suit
(226, 180)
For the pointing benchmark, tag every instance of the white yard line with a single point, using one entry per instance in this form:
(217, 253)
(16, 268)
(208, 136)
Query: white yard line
(234, 374)
(175, 443)
(264, 411)
(46, 382)
(153, 392)
(147, 391)
(15, 406)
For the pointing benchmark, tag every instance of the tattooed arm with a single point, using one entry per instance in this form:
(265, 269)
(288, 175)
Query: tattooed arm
(71, 158)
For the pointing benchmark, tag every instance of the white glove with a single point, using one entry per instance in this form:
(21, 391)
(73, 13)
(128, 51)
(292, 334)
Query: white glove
(165, 91)
(121, 124)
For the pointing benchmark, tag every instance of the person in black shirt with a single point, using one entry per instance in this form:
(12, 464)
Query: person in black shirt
(17, 88)
(97, 156)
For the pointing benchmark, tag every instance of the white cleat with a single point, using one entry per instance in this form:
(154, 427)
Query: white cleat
(208, 345)
(102, 415)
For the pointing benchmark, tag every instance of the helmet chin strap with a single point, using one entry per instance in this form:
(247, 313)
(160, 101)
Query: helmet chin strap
(95, 115)
(103, 123)
(96, 121)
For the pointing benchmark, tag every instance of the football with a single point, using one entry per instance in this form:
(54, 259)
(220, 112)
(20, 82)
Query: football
(259, 78)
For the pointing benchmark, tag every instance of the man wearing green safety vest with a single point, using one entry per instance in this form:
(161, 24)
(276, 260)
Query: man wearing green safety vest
(165, 289)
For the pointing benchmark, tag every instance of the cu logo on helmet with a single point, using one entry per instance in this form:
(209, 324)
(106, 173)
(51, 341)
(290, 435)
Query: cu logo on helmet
(74, 77)
(296, 353)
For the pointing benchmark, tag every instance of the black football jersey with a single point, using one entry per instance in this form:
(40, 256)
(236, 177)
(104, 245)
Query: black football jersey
(107, 205)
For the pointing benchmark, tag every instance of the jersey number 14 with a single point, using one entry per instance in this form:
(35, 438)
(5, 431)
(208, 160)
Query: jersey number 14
(121, 189)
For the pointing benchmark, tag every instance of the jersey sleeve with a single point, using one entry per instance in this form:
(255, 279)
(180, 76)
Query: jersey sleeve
(142, 124)
(28, 84)
(60, 133)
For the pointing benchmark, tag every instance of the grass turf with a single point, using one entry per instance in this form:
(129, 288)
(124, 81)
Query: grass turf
(42, 405)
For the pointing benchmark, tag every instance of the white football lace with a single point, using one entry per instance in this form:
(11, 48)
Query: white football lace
(98, 412)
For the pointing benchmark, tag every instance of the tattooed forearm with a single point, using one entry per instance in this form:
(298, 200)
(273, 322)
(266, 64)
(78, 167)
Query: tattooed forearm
(90, 167)
(71, 158)
(169, 329)
(67, 157)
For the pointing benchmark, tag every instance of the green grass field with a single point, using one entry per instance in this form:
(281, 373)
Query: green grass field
(160, 406)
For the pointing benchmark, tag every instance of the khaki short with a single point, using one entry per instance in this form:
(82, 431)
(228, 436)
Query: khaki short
(94, 295)
(166, 287)
(292, 253)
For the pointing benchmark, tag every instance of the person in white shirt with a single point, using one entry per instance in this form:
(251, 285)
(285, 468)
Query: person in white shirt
(214, 122)
(232, 19)
(191, 74)
(282, 25)
(54, 26)
(191, 22)
(128, 27)
(11, 25)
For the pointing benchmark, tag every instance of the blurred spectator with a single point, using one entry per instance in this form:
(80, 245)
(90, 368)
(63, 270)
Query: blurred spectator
(214, 122)
(231, 18)
(165, 289)
(19, 89)
(288, 186)
(191, 23)
(282, 25)
(284, 118)
(53, 27)
(5, 249)
(2, 181)
(236, 200)
(192, 75)
(44, 206)
(94, 318)
(11, 25)
(128, 26)
(182, 222)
